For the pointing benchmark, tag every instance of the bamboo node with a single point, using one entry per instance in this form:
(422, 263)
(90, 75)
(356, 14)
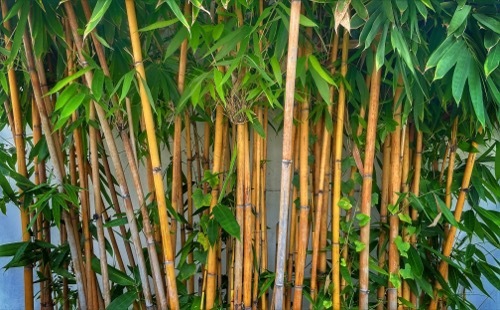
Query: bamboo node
(364, 291)
(304, 207)
(465, 190)
(156, 169)
(367, 176)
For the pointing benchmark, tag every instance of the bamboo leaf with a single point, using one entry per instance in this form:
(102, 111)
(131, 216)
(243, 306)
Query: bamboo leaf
(449, 60)
(460, 75)
(227, 221)
(492, 60)
(159, 24)
(459, 17)
(322, 86)
(316, 66)
(10, 249)
(439, 53)
(20, 29)
(497, 161)
(100, 9)
(489, 22)
(59, 85)
(360, 8)
(123, 301)
(127, 82)
(97, 84)
(415, 262)
(115, 275)
(72, 105)
(177, 12)
(275, 66)
(399, 44)
(380, 55)
(476, 93)
(445, 211)
(116, 222)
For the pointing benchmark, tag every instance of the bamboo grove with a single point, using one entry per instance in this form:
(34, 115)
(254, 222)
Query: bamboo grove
(141, 163)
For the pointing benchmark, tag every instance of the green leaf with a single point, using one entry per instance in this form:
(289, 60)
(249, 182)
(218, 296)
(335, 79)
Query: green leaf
(476, 93)
(127, 82)
(159, 24)
(400, 45)
(275, 65)
(363, 219)
(322, 86)
(497, 161)
(345, 203)
(404, 218)
(227, 221)
(402, 246)
(20, 30)
(492, 60)
(116, 222)
(440, 52)
(360, 8)
(407, 272)
(177, 12)
(72, 105)
(446, 212)
(359, 245)
(395, 281)
(450, 59)
(460, 75)
(98, 84)
(425, 286)
(100, 9)
(380, 55)
(459, 17)
(200, 199)
(415, 262)
(123, 301)
(393, 209)
(115, 275)
(59, 85)
(10, 249)
(316, 66)
(488, 22)
(211, 178)
(186, 271)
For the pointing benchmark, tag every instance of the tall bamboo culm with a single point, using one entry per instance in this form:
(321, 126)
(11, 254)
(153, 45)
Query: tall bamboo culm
(286, 162)
(366, 190)
(18, 129)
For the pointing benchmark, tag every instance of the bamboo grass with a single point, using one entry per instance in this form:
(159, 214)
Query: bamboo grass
(450, 237)
(366, 191)
(337, 175)
(115, 158)
(99, 211)
(415, 189)
(18, 130)
(210, 276)
(53, 146)
(168, 251)
(324, 160)
(392, 292)
(286, 163)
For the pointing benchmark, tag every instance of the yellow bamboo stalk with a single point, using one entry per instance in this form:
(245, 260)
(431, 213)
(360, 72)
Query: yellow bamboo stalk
(392, 292)
(286, 163)
(405, 205)
(155, 159)
(450, 237)
(337, 176)
(366, 190)
(18, 130)
(210, 275)
(415, 189)
(248, 233)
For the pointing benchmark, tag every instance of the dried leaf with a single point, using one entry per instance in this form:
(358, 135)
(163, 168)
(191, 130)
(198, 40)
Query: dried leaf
(342, 16)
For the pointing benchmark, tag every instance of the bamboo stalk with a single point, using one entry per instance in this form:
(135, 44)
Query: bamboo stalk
(248, 233)
(53, 146)
(324, 160)
(189, 193)
(303, 228)
(337, 176)
(405, 205)
(99, 210)
(18, 130)
(211, 260)
(392, 292)
(286, 163)
(416, 191)
(263, 208)
(256, 202)
(450, 237)
(366, 191)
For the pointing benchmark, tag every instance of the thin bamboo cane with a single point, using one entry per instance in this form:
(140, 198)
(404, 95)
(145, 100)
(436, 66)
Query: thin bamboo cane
(392, 292)
(18, 129)
(53, 146)
(450, 237)
(286, 163)
(405, 205)
(451, 164)
(292, 239)
(115, 158)
(240, 206)
(416, 191)
(303, 228)
(324, 160)
(249, 222)
(366, 191)
(384, 201)
(337, 176)
(256, 202)
(189, 193)
(445, 158)
(211, 260)
(99, 210)
(263, 209)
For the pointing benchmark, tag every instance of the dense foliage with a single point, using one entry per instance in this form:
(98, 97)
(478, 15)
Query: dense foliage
(389, 112)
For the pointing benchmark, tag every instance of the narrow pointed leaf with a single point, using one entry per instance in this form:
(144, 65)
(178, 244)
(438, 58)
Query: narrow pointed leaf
(100, 9)
(459, 17)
